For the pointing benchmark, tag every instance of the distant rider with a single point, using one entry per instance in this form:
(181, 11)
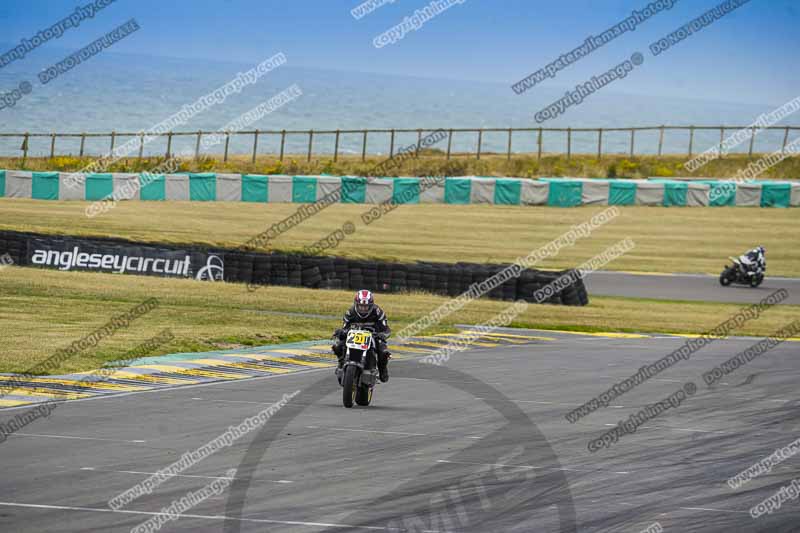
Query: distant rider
(364, 313)
(754, 262)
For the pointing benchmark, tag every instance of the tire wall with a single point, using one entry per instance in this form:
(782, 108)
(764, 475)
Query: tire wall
(326, 272)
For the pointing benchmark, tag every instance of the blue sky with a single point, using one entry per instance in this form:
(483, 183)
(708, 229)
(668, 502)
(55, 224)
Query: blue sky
(748, 56)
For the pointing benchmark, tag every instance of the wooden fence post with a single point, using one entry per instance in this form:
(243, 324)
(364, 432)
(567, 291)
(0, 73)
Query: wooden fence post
(113, 135)
(691, 139)
(227, 143)
(449, 142)
(660, 140)
(633, 131)
(391, 145)
(25, 148)
(752, 140)
(169, 144)
(364, 147)
(569, 143)
(310, 141)
(197, 146)
(83, 141)
(283, 142)
(141, 145)
(480, 138)
(255, 145)
(785, 138)
(508, 156)
(539, 143)
(336, 147)
(419, 142)
(600, 143)
(721, 135)
(52, 145)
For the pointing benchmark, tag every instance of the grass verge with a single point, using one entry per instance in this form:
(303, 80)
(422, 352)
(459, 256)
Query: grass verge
(43, 310)
(433, 162)
(667, 239)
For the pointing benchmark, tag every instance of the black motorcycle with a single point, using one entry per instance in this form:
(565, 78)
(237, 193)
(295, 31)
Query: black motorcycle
(736, 273)
(359, 373)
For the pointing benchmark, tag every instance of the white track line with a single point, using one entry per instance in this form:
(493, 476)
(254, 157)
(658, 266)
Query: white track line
(235, 401)
(552, 403)
(76, 438)
(674, 429)
(715, 510)
(524, 467)
(93, 469)
(371, 431)
(186, 515)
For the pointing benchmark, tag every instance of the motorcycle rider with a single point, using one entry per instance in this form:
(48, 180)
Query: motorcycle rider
(364, 313)
(754, 262)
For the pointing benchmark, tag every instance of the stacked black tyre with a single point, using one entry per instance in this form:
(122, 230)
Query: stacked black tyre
(317, 272)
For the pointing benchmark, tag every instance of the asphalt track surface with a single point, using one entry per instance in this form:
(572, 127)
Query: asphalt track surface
(477, 444)
(699, 287)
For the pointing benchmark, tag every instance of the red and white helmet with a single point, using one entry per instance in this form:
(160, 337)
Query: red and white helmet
(364, 302)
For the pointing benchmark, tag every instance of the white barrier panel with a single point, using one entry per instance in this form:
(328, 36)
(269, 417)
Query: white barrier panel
(697, 195)
(329, 185)
(534, 193)
(176, 187)
(280, 188)
(594, 192)
(748, 195)
(648, 193)
(378, 190)
(19, 184)
(795, 198)
(229, 187)
(481, 191)
(126, 186)
(71, 186)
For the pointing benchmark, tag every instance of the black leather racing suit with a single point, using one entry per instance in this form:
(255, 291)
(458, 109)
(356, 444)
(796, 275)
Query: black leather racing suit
(753, 262)
(375, 320)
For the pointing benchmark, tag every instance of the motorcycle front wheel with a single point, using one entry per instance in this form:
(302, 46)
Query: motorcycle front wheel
(349, 386)
(724, 280)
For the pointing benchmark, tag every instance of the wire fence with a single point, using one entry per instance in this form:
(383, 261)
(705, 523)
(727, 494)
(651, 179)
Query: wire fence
(533, 139)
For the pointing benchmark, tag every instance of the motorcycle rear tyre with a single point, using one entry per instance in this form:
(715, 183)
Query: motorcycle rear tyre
(364, 395)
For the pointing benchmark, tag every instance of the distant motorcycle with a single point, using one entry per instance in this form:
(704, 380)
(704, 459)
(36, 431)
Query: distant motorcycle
(359, 373)
(736, 273)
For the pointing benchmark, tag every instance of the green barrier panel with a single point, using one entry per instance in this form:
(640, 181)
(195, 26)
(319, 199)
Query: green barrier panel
(507, 192)
(98, 186)
(776, 194)
(457, 190)
(675, 193)
(202, 187)
(304, 189)
(254, 188)
(2, 183)
(152, 187)
(44, 186)
(564, 193)
(621, 192)
(354, 190)
(405, 191)
(722, 193)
